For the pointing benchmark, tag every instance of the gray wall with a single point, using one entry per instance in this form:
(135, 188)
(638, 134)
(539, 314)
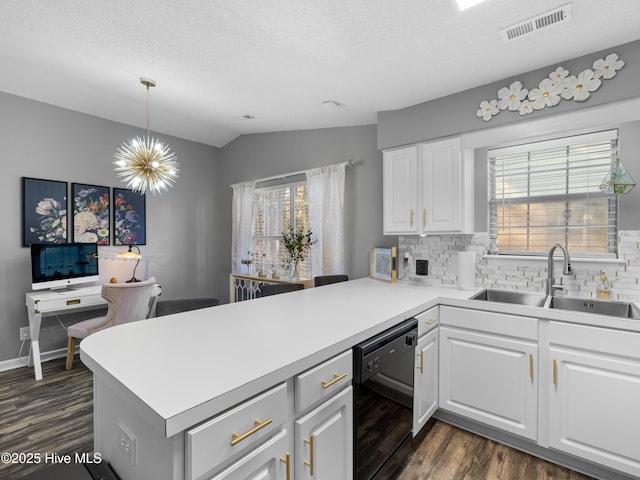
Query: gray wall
(456, 114)
(252, 157)
(43, 141)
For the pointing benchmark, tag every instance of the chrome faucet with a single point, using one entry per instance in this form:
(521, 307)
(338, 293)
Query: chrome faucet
(566, 268)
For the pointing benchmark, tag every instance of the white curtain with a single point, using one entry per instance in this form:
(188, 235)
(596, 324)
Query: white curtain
(325, 187)
(242, 219)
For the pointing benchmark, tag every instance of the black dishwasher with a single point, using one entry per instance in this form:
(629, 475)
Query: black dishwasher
(383, 396)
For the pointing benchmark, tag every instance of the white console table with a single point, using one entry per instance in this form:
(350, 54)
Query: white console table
(49, 303)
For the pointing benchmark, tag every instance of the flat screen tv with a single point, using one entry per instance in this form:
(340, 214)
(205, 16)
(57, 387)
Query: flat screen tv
(60, 265)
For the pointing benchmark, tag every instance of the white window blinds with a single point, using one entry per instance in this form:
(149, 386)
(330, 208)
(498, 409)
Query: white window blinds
(548, 192)
(274, 209)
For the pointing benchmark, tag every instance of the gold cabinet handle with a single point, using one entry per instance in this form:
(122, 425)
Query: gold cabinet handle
(411, 217)
(336, 378)
(421, 366)
(431, 320)
(555, 372)
(287, 461)
(237, 438)
(531, 366)
(310, 463)
(424, 216)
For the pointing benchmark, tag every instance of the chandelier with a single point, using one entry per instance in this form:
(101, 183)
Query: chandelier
(146, 163)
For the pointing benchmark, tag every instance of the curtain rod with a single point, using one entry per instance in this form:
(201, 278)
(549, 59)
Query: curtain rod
(348, 163)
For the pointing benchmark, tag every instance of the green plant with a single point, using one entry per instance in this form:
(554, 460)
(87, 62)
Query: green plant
(297, 243)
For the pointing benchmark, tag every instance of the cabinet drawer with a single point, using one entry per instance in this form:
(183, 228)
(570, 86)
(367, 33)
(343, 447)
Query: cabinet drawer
(323, 380)
(212, 442)
(428, 320)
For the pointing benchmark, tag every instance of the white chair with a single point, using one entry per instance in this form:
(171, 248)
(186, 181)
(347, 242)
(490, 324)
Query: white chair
(126, 302)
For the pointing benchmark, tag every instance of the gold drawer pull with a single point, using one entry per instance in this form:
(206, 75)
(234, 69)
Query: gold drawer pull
(432, 320)
(531, 366)
(555, 372)
(237, 438)
(309, 463)
(287, 461)
(421, 366)
(336, 378)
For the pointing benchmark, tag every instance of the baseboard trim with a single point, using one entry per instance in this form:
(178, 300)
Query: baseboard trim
(527, 446)
(14, 363)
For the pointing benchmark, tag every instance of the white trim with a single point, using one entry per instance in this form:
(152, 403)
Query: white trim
(14, 363)
(544, 258)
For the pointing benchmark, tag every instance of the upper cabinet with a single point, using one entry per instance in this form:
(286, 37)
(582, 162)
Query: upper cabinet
(427, 188)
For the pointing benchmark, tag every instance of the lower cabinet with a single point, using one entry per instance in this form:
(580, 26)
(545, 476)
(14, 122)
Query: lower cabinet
(595, 394)
(270, 461)
(488, 369)
(425, 384)
(324, 440)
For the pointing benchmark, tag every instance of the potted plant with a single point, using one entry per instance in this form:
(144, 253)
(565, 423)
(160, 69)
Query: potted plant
(297, 244)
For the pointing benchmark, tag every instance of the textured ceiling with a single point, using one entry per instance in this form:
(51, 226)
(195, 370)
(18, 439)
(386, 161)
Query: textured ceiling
(216, 61)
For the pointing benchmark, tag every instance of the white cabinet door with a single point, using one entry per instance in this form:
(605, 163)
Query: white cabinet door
(270, 461)
(595, 395)
(324, 440)
(441, 186)
(400, 190)
(489, 378)
(425, 385)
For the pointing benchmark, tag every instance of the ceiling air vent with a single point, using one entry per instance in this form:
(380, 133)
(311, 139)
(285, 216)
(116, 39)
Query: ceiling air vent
(532, 25)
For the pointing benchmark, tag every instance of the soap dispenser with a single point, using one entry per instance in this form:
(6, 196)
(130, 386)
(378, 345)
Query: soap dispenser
(602, 290)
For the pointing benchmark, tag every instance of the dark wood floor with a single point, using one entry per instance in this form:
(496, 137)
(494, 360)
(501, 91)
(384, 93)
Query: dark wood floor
(55, 415)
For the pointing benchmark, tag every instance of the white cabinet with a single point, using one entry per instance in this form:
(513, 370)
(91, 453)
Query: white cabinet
(441, 186)
(324, 440)
(595, 394)
(488, 368)
(269, 461)
(425, 388)
(400, 190)
(427, 188)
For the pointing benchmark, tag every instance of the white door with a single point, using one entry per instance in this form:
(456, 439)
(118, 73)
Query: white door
(425, 387)
(400, 190)
(441, 186)
(269, 461)
(324, 440)
(490, 378)
(593, 409)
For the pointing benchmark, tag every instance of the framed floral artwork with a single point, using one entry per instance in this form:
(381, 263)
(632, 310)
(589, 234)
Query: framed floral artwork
(44, 211)
(91, 213)
(383, 264)
(129, 217)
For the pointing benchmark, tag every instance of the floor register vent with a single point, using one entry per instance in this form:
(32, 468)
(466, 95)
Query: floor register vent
(532, 25)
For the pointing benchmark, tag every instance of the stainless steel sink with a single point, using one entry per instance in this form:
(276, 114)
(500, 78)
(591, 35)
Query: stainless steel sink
(511, 296)
(599, 307)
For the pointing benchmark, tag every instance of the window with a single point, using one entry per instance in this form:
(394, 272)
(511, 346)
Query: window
(274, 209)
(549, 192)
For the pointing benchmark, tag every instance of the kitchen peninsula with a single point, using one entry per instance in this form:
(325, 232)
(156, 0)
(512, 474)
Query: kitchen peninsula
(159, 383)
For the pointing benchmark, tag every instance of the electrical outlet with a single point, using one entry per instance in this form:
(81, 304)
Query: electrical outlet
(127, 442)
(25, 334)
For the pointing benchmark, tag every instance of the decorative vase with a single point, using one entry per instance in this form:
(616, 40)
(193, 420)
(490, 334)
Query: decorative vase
(295, 270)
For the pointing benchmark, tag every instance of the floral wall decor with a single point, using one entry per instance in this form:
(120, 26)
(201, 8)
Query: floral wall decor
(91, 208)
(559, 85)
(44, 211)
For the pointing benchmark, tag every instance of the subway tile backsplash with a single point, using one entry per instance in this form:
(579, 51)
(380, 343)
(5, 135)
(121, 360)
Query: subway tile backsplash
(522, 274)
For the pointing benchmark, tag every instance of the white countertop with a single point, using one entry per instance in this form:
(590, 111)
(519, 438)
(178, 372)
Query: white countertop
(189, 366)
(184, 368)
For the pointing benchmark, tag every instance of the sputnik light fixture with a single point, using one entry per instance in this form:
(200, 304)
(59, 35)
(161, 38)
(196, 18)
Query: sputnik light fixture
(146, 163)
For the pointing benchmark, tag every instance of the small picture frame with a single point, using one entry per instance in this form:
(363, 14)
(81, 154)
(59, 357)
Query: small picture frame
(383, 264)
